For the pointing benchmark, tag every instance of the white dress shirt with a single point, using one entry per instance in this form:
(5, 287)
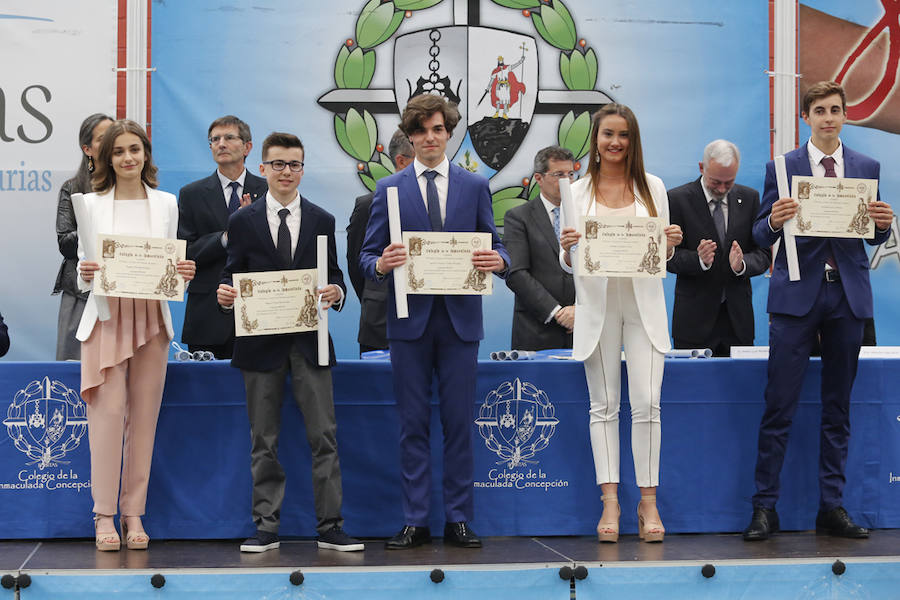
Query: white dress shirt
(442, 182)
(226, 185)
(816, 156)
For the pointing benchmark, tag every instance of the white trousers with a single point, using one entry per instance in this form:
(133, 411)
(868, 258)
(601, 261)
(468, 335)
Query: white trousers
(622, 326)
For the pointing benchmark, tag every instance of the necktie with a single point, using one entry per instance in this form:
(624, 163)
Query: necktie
(284, 239)
(434, 205)
(718, 215)
(828, 162)
(555, 212)
(234, 202)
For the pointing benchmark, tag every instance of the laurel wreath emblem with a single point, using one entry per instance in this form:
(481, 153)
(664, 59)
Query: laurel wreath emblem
(379, 20)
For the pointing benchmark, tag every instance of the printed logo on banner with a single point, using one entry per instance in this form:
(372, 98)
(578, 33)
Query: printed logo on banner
(491, 73)
(46, 421)
(517, 421)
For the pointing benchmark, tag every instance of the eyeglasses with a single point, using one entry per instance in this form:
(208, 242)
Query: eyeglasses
(279, 165)
(572, 175)
(228, 137)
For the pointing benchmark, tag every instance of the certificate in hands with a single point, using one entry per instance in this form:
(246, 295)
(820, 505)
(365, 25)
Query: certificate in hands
(834, 206)
(622, 246)
(270, 302)
(440, 262)
(139, 267)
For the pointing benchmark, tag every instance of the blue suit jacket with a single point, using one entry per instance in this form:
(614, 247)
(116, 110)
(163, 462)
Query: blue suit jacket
(468, 209)
(251, 249)
(796, 297)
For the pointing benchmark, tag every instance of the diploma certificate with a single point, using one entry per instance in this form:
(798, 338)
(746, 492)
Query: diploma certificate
(271, 302)
(139, 267)
(440, 262)
(834, 206)
(622, 246)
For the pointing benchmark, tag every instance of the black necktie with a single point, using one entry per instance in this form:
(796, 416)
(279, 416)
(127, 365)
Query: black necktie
(718, 215)
(284, 239)
(828, 162)
(434, 205)
(234, 202)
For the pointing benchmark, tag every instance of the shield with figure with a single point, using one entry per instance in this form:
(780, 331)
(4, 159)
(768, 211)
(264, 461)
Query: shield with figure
(516, 418)
(43, 417)
(491, 74)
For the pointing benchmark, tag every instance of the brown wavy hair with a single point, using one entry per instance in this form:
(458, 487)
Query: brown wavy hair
(420, 108)
(634, 158)
(104, 177)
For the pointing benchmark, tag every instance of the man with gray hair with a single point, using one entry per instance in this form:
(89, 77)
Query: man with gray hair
(717, 257)
(372, 294)
(544, 312)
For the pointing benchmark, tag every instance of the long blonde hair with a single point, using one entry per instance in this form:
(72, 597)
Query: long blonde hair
(634, 157)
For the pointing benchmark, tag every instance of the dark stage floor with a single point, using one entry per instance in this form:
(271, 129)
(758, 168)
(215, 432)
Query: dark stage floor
(543, 551)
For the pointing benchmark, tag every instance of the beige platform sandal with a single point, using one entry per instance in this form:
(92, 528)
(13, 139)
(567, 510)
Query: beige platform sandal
(134, 540)
(608, 531)
(649, 531)
(106, 541)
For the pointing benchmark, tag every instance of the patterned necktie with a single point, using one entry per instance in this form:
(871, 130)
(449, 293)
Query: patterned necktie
(828, 162)
(718, 215)
(284, 239)
(434, 205)
(234, 202)
(555, 212)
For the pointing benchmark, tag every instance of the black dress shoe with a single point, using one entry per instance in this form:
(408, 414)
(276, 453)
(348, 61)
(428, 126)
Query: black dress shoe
(763, 524)
(460, 534)
(837, 522)
(409, 537)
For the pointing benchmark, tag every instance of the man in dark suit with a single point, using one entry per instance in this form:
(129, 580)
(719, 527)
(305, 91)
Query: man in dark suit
(279, 233)
(545, 294)
(833, 297)
(372, 294)
(717, 257)
(203, 210)
(442, 333)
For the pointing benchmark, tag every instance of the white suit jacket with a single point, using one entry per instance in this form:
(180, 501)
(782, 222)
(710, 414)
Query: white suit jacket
(590, 292)
(163, 224)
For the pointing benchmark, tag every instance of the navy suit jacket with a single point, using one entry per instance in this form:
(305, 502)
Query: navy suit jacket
(468, 209)
(796, 297)
(202, 217)
(250, 249)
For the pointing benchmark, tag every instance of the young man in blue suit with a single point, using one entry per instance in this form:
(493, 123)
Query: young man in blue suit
(278, 233)
(442, 333)
(833, 297)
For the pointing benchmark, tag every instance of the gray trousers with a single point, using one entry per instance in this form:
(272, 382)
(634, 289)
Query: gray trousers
(311, 387)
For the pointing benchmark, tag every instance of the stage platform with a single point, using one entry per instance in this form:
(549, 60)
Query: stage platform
(790, 565)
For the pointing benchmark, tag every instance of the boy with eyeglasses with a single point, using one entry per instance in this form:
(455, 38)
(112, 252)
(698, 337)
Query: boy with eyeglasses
(280, 233)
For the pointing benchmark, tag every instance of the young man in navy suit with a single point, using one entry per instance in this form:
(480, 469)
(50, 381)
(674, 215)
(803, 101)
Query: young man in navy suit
(442, 333)
(279, 233)
(203, 210)
(832, 297)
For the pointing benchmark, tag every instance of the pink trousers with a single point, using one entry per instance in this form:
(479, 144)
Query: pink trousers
(123, 374)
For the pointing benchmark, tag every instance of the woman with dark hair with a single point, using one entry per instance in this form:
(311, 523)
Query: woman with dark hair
(125, 341)
(612, 312)
(71, 302)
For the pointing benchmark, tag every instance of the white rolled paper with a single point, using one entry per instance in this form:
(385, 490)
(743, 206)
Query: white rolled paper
(790, 244)
(569, 216)
(393, 206)
(321, 282)
(680, 353)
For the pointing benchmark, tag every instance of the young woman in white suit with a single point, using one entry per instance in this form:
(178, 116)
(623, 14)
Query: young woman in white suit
(617, 311)
(125, 341)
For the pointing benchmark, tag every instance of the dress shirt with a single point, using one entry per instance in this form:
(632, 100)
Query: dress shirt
(292, 220)
(816, 156)
(712, 207)
(441, 182)
(226, 185)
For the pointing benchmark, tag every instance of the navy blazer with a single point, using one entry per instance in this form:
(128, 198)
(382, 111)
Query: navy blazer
(468, 209)
(796, 297)
(251, 249)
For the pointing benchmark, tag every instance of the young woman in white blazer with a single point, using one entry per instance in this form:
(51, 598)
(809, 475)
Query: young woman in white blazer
(125, 342)
(612, 312)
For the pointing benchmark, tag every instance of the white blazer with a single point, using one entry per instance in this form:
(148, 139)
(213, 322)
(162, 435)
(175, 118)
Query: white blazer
(163, 224)
(590, 292)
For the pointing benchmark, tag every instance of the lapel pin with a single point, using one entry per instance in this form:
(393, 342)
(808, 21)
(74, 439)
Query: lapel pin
(739, 200)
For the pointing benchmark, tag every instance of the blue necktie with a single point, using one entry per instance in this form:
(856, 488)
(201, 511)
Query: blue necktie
(434, 205)
(234, 202)
(284, 239)
(555, 212)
